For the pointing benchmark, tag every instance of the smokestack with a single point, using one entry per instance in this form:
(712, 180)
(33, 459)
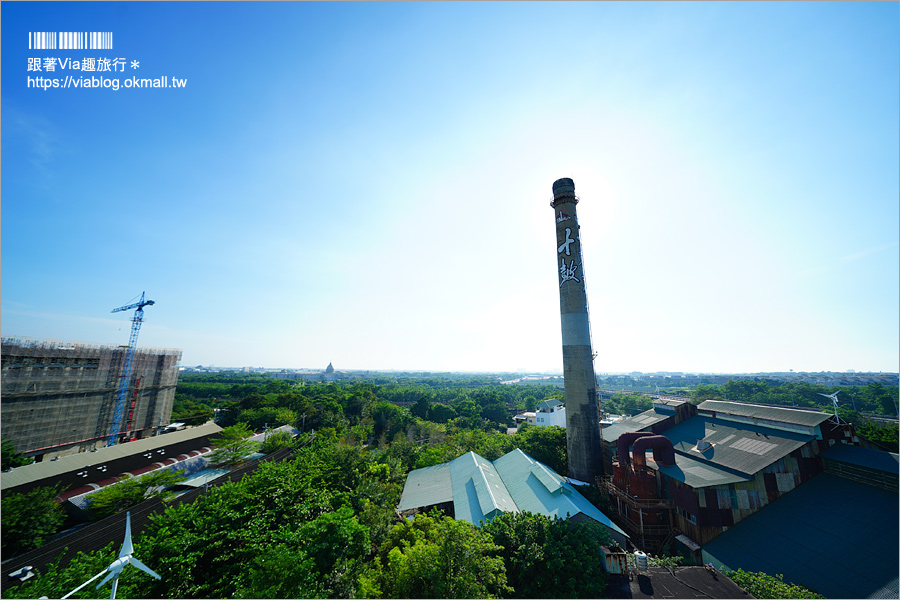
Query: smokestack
(582, 415)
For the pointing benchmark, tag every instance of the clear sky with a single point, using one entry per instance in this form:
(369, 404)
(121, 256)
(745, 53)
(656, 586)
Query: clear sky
(368, 184)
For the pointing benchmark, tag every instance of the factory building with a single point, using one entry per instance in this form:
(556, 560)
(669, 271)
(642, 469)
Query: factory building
(474, 489)
(59, 397)
(684, 476)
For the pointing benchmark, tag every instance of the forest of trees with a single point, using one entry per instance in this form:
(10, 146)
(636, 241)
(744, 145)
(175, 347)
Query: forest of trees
(322, 523)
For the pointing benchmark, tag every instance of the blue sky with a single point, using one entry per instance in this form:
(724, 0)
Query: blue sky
(368, 184)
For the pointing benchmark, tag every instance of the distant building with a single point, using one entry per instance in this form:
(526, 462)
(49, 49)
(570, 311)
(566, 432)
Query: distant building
(549, 413)
(474, 489)
(59, 397)
(525, 417)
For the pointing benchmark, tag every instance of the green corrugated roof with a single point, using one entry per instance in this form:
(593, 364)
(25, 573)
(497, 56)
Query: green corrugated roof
(831, 534)
(481, 489)
(538, 489)
(738, 446)
(809, 418)
(427, 486)
(478, 490)
(549, 403)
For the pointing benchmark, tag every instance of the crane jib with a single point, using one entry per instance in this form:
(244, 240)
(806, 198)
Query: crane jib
(121, 395)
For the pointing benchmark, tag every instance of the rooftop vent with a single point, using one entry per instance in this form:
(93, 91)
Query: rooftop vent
(703, 445)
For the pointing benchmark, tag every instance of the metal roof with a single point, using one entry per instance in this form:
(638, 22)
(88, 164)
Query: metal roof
(808, 418)
(480, 489)
(427, 486)
(864, 457)
(639, 422)
(831, 534)
(74, 462)
(738, 446)
(549, 403)
(536, 488)
(698, 474)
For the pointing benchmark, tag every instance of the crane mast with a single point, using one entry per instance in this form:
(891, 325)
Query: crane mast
(122, 393)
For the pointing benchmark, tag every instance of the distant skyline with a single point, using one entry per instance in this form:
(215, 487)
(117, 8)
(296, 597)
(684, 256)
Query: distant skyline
(368, 184)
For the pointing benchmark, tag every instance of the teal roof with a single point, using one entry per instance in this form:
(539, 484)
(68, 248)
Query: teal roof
(478, 490)
(699, 474)
(481, 489)
(425, 487)
(864, 457)
(736, 446)
(549, 403)
(831, 534)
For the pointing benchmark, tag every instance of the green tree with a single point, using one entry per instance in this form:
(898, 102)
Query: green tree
(276, 441)
(762, 585)
(28, 519)
(11, 458)
(545, 444)
(133, 490)
(421, 407)
(433, 556)
(55, 580)
(233, 445)
(440, 413)
(550, 558)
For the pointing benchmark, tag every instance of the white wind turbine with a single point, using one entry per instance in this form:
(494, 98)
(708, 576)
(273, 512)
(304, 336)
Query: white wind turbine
(835, 401)
(115, 568)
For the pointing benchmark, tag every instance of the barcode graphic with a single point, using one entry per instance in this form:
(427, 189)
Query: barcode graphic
(70, 40)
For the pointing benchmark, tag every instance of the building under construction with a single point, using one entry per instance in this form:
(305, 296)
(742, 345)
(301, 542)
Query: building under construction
(60, 397)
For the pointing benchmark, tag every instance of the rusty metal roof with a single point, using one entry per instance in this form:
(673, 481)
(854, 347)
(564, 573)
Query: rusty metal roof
(639, 422)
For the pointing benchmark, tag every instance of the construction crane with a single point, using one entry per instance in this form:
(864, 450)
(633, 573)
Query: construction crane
(126, 369)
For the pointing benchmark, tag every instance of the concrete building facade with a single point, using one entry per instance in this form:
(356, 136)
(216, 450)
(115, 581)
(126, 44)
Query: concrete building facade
(59, 397)
(582, 409)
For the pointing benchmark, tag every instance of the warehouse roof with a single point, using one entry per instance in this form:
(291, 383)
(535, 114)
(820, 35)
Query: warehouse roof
(699, 474)
(738, 446)
(73, 462)
(808, 418)
(831, 534)
(639, 422)
(481, 489)
(864, 457)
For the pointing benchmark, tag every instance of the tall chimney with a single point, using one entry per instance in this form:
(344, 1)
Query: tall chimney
(582, 416)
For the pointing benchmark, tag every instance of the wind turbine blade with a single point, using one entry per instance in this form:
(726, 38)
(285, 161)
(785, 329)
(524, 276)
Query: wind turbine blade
(105, 579)
(127, 548)
(145, 568)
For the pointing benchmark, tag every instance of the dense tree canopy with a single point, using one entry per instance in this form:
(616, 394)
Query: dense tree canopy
(547, 558)
(28, 519)
(433, 556)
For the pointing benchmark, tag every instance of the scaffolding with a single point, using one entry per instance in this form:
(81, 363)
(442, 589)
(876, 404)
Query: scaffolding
(58, 396)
